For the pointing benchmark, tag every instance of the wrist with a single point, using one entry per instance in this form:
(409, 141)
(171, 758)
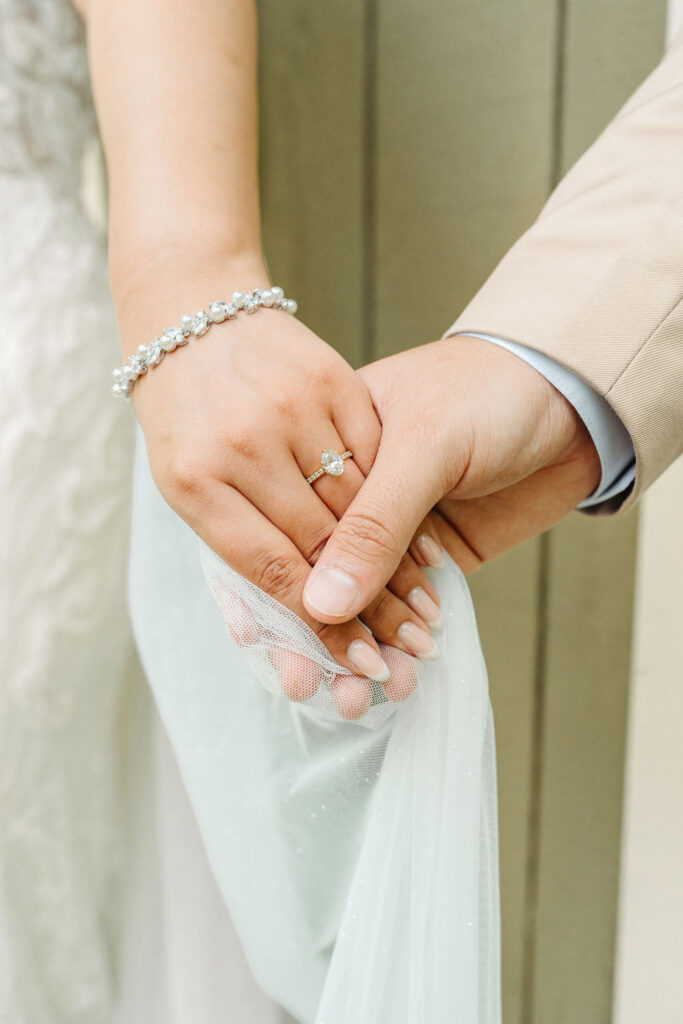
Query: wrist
(140, 241)
(178, 279)
(529, 425)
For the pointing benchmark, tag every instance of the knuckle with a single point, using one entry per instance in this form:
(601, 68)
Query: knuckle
(284, 403)
(324, 375)
(184, 476)
(366, 534)
(243, 442)
(276, 574)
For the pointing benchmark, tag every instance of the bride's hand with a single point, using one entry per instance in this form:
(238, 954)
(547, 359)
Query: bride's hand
(473, 429)
(234, 422)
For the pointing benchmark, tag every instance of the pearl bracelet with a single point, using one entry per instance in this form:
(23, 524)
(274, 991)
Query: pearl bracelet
(149, 356)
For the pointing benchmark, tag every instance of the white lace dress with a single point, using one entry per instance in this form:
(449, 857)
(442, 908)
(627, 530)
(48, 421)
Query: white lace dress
(65, 639)
(107, 908)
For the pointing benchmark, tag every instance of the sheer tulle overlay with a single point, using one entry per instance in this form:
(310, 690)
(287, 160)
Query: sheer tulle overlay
(358, 857)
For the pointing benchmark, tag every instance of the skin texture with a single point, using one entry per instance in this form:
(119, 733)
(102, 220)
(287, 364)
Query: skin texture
(235, 421)
(180, 138)
(501, 454)
(233, 424)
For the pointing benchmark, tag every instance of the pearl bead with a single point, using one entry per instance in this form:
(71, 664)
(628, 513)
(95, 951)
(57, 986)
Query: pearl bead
(150, 355)
(217, 312)
(169, 340)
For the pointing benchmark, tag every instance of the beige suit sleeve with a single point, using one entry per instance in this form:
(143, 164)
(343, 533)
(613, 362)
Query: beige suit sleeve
(597, 282)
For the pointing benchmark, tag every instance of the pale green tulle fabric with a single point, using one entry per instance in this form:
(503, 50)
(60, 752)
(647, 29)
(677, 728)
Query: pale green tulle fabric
(358, 859)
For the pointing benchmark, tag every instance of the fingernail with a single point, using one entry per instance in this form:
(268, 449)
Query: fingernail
(424, 606)
(331, 592)
(430, 551)
(367, 661)
(418, 641)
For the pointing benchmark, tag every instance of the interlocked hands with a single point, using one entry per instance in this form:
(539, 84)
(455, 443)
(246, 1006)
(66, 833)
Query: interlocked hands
(457, 445)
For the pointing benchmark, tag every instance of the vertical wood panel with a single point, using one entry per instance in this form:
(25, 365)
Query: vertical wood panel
(586, 688)
(505, 596)
(313, 157)
(650, 932)
(464, 110)
(463, 157)
(608, 48)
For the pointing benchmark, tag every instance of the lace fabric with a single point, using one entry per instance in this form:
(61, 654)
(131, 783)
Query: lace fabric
(65, 639)
(46, 114)
(64, 634)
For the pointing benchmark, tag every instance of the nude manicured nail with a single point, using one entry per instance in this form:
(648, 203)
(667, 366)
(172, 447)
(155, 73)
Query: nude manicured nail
(367, 661)
(430, 551)
(418, 641)
(331, 592)
(424, 606)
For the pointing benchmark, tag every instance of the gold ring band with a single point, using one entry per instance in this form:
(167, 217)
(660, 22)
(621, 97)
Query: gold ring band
(331, 463)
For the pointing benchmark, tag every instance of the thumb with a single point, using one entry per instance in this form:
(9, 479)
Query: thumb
(370, 539)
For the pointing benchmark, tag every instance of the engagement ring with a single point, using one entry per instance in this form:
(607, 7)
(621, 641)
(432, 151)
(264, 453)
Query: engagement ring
(330, 462)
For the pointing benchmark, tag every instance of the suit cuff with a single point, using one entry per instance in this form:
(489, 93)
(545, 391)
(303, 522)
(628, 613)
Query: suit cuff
(609, 435)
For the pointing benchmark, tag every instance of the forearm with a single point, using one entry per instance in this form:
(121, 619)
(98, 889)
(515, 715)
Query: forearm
(175, 90)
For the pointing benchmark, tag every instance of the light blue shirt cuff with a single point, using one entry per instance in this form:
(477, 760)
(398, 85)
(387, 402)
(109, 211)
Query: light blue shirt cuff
(609, 435)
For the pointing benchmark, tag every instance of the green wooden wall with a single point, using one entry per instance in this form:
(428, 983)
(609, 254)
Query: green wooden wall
(405, 145)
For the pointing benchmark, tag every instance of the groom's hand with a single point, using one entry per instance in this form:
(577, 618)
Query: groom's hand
(472, 429)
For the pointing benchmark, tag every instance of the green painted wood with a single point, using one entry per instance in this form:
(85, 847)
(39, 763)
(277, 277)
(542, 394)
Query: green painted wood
(463, 151)
(312, 92)
(461, 162)
(587, 651)
(505, 598)
(608, 47)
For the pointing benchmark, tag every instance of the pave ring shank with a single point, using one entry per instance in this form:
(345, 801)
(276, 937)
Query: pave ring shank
(331, 463)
